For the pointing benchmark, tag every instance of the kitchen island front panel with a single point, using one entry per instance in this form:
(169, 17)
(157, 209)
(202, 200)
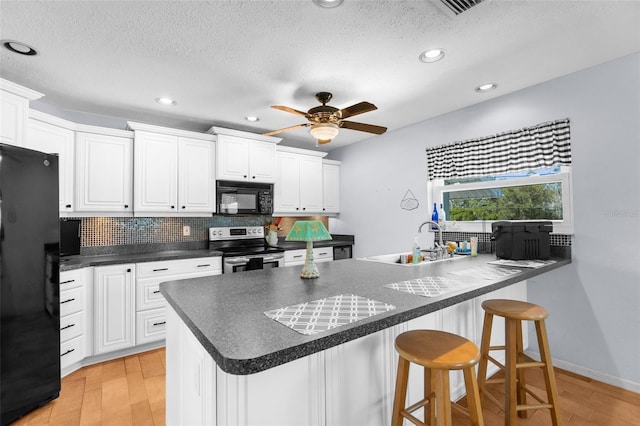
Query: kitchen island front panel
(226, 313)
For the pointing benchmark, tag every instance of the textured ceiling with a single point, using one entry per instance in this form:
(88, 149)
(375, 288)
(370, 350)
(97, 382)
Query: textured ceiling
(224, 60)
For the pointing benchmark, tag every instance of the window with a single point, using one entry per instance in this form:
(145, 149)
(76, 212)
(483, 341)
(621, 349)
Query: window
(471, 204)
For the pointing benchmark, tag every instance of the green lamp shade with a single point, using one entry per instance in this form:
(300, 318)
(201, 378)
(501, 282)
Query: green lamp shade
(308, 230)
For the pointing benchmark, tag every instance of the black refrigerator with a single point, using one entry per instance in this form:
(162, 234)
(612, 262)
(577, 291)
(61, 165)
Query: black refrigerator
(29, 281)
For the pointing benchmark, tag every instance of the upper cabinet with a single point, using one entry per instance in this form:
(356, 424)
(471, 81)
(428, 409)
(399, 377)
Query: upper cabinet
(298, 189)
(243, 156)
(104, 173)
(330, 186)
(14, 108)
(53, 135)
(173, 174)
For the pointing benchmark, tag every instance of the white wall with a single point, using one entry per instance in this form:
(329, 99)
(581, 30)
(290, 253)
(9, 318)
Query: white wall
(594, 303)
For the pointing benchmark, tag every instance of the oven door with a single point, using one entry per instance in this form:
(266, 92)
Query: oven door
(244, 263)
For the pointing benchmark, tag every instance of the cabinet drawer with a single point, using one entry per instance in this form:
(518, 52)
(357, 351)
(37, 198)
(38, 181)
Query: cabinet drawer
(71, 351)
(323, 254)
(150, 325)
(72, 279)
(205, 265)
(148, 294)
(71, 326)
(71, 301)
(294, 257)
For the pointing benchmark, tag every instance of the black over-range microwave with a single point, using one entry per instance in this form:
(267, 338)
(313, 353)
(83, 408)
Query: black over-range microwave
(244, 197)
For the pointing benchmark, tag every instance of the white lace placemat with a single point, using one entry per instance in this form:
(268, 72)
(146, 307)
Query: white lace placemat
(428, 286)
(331, 312)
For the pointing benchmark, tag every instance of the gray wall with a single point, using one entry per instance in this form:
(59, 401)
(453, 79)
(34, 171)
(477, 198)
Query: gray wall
(594, 303)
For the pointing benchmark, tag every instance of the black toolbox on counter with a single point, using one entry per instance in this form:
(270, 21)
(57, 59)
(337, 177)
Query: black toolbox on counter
(522, 240)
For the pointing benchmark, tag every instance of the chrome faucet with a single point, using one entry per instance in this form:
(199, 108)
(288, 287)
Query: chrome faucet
(442, 250)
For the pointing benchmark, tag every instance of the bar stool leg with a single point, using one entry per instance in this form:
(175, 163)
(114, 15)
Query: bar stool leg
(549, 376)
(442, 397)
(510, 372)
(521, 390)
(473, 397)
(429, 386)
(485, 343)
(401, 391)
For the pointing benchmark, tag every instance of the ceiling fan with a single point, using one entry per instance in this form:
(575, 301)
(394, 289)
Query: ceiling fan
(325, 120)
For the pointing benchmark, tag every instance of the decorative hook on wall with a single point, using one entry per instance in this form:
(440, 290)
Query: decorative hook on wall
(409, 201)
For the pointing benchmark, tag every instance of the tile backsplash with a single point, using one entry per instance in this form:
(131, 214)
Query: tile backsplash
(117, 231)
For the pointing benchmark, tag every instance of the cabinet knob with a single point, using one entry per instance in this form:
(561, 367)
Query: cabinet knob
(297, 208)
(183, 207)
(68, 206)
(173, 207)
(126, 206)
(128, 269)
(245, 175)
(304, 208)
(253, 177)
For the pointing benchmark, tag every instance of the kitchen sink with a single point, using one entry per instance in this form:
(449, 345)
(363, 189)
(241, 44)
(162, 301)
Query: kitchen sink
(394, 259)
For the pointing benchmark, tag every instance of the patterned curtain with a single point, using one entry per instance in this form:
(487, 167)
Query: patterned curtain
(542, 145)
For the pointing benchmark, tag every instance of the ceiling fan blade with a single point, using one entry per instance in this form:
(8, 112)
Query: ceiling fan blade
(362, 127)
(356, 109)
(291, 110)
(286, 129)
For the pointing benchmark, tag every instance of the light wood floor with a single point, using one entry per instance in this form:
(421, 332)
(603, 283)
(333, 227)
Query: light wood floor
(131, 391)
(125, 391)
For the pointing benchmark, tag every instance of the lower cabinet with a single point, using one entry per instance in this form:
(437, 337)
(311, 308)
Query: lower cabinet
(114, 307)
(298, 257)
(74, 322)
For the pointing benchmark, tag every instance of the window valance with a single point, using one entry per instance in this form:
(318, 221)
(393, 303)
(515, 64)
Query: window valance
(539, 146)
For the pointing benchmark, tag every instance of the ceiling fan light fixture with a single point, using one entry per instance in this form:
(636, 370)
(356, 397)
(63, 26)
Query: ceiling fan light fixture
(19, 48)
(328, 4)
(163, 100)
(324, 132)
(431, 55)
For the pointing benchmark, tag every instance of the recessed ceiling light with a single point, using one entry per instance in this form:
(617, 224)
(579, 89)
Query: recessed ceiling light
(486, 87)
(165, 101)
(20, 48)
(328, 3)
(252, 118)
(431, 55)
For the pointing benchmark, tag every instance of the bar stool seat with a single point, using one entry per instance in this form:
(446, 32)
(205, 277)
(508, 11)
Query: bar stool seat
(438, 352)
(516, 390)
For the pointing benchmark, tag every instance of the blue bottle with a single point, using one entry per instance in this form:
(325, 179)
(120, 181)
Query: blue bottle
(434, 217)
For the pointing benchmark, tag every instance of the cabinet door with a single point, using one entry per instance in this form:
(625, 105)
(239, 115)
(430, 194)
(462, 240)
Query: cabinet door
(52, 139)
(155, 173)
(114, 308)
(262, 161)
(104, 173)
(287, 188)
(330, 188)
(310, 184)
(13, 113)
(196, 177)
(232, 160)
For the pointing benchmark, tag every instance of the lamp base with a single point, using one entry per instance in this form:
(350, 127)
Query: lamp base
(310, 269)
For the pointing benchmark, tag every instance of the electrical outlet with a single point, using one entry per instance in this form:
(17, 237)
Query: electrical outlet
(186, 231)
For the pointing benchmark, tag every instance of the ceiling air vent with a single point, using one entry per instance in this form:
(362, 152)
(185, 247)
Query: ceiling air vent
(455, 7)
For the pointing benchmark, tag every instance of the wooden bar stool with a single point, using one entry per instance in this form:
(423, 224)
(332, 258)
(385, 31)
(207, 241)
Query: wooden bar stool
(438, 352)
(514, 312)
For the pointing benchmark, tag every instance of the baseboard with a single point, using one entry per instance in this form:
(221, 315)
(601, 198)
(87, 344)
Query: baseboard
(592, 374)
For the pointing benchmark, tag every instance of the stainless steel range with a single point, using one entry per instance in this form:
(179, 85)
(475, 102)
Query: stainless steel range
(244, 249)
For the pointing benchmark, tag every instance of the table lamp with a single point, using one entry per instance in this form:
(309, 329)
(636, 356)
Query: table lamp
(309, 231)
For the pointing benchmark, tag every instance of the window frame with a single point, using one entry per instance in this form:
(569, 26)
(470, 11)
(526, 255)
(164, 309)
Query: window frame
(436, 187)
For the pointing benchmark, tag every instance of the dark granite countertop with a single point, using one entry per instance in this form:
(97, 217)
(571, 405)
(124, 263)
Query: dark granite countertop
(78, 262)
(226, 312)
(338, 240)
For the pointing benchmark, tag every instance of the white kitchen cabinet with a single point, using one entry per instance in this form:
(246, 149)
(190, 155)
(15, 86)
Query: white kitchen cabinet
(75, 321)
(150, 304)
(104, 175)
(243, 159)
(14, 107)
(298, 257)
(298, 188)
(173, 175)
(330, 186)
(44, 136)
(114, 315)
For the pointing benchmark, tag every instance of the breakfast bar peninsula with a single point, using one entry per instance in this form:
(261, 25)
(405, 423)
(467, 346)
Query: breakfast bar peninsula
(267, 347)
